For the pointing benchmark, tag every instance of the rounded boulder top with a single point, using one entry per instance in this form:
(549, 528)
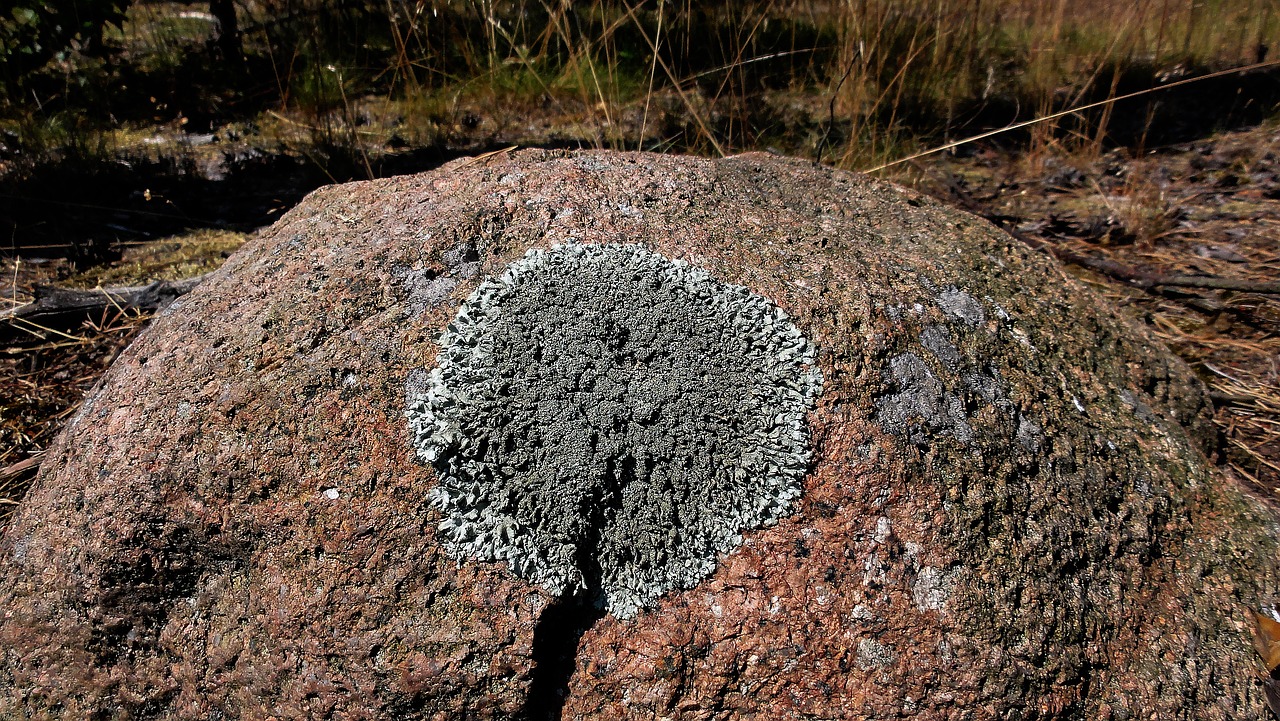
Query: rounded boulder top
(581, 435)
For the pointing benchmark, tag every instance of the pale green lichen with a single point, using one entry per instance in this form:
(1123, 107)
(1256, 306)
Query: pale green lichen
(608, 421)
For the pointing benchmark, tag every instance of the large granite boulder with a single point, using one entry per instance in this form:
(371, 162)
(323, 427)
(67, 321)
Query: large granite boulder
(607, 435)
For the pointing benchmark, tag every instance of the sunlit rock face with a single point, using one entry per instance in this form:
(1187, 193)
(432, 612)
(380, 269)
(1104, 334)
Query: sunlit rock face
(1004, 510)
(608, 421)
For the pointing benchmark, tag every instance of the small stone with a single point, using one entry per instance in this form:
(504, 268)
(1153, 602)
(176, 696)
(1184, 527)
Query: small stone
(873, 655)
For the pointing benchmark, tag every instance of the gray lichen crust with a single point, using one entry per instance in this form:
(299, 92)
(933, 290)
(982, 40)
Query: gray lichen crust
(606, 420)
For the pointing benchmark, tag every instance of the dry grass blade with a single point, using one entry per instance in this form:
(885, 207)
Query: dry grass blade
(12, 476)
(14, 481)
(1070, 111)
(675, 83)
(1260, 397)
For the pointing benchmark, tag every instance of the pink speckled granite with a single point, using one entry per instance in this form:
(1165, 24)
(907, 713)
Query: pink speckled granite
(1008, 515)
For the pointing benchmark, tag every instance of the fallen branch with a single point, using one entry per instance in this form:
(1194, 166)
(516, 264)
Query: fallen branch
(1205, 281)
(1145, 280)
(15, 471)
(65, 307)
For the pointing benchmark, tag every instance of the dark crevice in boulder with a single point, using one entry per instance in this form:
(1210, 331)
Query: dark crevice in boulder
(555, 654)
(567, 619)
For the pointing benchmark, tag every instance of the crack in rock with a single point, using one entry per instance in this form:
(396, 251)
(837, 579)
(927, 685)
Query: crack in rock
(607, 421)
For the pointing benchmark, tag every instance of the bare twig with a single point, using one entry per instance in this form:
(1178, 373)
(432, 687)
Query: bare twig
(1070, 111)
(54, 307)
(27, 465)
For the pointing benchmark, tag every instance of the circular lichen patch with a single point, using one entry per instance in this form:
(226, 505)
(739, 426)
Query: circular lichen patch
(606, 420)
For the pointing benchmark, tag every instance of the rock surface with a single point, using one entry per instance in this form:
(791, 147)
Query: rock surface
(1008, 512)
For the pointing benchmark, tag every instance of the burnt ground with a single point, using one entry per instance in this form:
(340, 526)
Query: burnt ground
(1144, 229)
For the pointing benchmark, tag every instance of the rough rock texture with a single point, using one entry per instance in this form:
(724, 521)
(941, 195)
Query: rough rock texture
(1007, 515)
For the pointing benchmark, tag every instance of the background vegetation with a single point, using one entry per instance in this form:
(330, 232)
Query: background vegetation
(857, 81)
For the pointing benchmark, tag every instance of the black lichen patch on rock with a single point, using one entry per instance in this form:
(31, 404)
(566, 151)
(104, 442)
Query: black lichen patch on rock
(921, 407)
(606, 420)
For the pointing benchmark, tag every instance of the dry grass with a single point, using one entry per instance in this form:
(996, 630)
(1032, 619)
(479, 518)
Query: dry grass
(885, 76)
(175, 258)
(43, 381)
